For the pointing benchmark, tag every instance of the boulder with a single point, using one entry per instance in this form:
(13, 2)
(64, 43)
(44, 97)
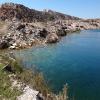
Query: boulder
(61, 32)
(52, 38)
(29, 94)
(13, 46)
(4, 45)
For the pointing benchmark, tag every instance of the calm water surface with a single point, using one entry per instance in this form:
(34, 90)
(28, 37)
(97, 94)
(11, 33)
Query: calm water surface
(74, 60)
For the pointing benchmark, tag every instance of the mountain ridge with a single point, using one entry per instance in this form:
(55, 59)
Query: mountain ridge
(20, 12)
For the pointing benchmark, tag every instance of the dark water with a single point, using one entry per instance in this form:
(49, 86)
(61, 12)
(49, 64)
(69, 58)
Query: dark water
(74, 60)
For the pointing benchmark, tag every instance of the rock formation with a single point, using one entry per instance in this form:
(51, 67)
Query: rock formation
(21, 27)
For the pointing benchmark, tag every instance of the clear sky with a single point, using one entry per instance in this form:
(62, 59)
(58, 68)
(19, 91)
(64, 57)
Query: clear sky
(79, 8)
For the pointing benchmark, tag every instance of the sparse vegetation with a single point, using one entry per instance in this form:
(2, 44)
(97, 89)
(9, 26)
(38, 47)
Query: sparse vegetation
(6, 92)
(35, 80)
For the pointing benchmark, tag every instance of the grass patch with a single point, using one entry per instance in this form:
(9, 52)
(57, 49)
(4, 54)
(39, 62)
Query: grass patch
(2, 66)
(13, 65)
(36, 81)
(6, 92)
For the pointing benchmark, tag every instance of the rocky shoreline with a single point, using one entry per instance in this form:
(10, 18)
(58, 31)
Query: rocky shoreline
(21, 35)
(18, 31)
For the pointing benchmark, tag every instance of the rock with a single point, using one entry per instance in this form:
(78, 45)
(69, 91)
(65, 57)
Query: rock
(40, 96)
(13, 46)
(43, 33)
(29, 94)
(23, 44)
(52, 38)
(8, 68)
(4, 45)
(61, 32)
(21, 26)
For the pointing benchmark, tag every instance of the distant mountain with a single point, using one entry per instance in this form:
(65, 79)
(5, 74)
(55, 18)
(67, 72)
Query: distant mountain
(12, 11)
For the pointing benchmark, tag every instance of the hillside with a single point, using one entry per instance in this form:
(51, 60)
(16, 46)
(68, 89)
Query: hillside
(20, 12)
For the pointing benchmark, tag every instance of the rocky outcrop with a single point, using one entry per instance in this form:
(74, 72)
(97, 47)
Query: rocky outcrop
(23, 27)
(23, 34)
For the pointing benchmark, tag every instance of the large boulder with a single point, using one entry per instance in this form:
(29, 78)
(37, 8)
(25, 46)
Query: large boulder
(52, 38)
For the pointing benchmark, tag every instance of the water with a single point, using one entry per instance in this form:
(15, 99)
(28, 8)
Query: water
(74, 60)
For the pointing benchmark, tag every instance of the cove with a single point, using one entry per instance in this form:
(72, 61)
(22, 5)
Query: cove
(74, 60)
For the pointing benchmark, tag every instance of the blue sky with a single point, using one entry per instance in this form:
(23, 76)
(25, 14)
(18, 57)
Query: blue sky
(79, 8)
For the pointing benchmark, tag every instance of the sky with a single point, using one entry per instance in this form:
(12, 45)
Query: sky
(78, 8)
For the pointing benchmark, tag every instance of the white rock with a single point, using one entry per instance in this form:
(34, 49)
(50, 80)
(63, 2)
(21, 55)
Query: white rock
(29, 94)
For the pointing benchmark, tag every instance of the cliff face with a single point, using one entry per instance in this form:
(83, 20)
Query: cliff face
(16, 11)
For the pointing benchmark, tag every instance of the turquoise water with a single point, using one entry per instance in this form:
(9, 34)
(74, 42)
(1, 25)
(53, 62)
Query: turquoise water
(74, 60)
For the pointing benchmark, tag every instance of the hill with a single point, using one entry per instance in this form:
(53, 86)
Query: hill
(20, 12)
